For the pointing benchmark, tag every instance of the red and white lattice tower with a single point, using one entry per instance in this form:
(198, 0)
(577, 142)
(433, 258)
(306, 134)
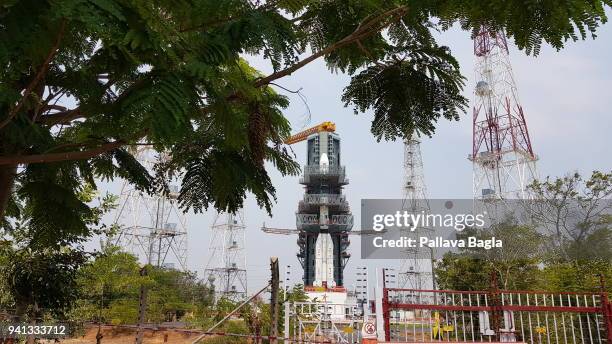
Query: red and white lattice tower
(502, 154)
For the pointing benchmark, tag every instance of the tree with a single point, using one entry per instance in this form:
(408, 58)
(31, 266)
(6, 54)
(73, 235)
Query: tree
(567, 245)
(82, 81)
(257, 313)
(576, 214)
(39, 264)
(112, 272)
(108, 290)
(295, 294)
(515, 264)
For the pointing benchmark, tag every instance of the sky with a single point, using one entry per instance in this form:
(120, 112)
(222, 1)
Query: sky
(566, 99)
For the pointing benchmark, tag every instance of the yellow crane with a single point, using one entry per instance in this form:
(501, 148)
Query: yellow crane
(302, 135)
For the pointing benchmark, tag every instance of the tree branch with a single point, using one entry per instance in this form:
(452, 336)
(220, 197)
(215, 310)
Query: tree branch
(363, 30)
(41, 73)
(54, 107)
(65, 117)
(55, 157)
(61, 117)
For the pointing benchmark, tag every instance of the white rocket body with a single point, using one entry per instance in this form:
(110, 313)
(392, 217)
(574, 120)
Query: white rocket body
(324, 249)
(324, 163)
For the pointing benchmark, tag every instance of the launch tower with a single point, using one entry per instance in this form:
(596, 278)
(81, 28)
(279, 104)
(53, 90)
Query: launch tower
(323, 218)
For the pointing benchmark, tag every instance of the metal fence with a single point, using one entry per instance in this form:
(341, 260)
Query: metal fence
(322, 322)
(535, 317)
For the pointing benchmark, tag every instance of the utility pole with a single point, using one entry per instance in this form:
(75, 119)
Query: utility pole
(274, 284)
(142, 307)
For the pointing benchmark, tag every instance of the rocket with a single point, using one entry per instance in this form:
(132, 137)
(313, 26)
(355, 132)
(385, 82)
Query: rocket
(323, 217)
(324, 254)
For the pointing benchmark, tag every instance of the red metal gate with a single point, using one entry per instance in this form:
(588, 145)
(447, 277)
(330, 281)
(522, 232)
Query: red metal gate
(535, 317)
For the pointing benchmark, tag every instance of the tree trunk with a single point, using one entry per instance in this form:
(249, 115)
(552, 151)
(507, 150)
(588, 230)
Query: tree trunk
(31, 339)
(7, 180)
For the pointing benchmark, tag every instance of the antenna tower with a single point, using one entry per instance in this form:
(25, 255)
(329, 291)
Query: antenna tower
(503, 159)
(415, 270)
(152, 227)
(226, 266)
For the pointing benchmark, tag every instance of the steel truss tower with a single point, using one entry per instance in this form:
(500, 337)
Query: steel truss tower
(226, 266)
(415, 270)
(502, 154)
(151, 227)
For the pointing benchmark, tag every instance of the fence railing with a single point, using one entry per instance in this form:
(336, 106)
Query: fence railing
(536, 317)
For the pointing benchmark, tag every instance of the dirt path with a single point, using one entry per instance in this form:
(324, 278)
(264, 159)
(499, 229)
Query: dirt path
(127, 336)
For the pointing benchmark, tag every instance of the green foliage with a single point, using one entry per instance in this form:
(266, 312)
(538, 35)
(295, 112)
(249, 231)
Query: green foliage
(84, 82)
(109, 289)
(408, 95)
(515, 264)
(41, 282)
(530, 23)
(82, 79)
(584, 275)
(40, 264)
(112, 275)
(176, 295)
(233, 326)
(571, 250)
(575, 214)
(295, 294)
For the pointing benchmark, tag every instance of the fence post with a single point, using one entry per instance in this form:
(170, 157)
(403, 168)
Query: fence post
(274, 282)
(142, 307)
(608, 316)
(386, 315)
(495, 305)
(286, 332)
(606, 306)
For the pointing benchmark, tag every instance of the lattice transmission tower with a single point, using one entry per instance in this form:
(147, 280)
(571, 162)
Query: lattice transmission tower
(151, 227)
(415, 269)
(503, 159)
(226, 266)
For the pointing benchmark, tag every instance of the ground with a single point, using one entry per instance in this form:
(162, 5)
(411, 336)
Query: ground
(127, 336)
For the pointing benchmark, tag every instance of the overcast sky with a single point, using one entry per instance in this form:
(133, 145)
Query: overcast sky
(566, 98)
